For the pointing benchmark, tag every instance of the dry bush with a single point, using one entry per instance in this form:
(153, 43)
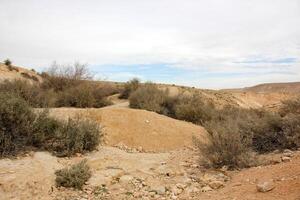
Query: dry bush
(291, 129)
(60, 77)
(129, 88)
(44, 130)
(194, 109)
(16, 118)
(21, 128)
(226, 146)
(290, 106)
(31, 93)
(75, 176)
(76, 136)
(85, 95)
(148, 97)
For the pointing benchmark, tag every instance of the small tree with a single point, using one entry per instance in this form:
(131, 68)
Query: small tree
(60, 77)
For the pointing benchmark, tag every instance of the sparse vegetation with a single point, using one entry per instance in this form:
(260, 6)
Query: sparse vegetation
(76, 136)
(148, 97)
(62, 87)
(21, 128)
(75, 176)
(194, 109)
(226, 146)
(129, 88)
(16, 119)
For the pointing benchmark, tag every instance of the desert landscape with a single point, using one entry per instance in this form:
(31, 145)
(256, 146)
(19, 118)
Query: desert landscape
(150, 100)
(147, 153)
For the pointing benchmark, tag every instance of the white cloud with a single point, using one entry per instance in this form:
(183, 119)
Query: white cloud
(211, 35)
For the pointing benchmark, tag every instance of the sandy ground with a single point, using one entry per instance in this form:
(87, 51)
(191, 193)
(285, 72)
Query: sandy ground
(135, 175)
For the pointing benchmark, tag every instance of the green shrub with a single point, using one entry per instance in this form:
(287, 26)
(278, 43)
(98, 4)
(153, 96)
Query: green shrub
(77, 136)
(129, 88)
(226, 145)
(16, 118)
(148, 97)
(75, 176)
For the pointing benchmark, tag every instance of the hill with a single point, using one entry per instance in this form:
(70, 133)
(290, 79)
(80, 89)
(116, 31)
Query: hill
(13, 72)
(138, 128)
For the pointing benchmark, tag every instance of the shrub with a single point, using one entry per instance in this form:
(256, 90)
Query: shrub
(226, 145)
(60, 77)
(194, 109)
(148, 97)
(44, 130)
(77, 136)
(7, 62)
(31, 93)
(129, 88)
(291, 129)
(290, 106)
(75, 176)
(82, 96)
(16, 118)
(21, 128)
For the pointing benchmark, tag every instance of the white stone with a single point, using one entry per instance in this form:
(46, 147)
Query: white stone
(265, 186)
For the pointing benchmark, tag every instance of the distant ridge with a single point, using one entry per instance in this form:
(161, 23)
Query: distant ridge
(289, 87)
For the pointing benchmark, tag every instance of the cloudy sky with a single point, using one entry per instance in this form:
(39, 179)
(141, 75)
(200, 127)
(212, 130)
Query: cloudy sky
(202, 43)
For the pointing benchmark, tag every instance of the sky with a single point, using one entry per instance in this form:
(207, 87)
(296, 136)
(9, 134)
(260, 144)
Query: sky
(203, 43)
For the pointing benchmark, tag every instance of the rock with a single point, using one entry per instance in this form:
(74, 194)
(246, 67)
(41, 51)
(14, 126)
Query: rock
(236, 184)
(285, 159)
(287, 154)
(193, 190)
(175, 190)
(161, 190)
(140, 149)
(276, 151)
(206, 189)
(216, 184)
(125, 179)
(180, 186)
(173, 197)
(288, 151)
(265, 186)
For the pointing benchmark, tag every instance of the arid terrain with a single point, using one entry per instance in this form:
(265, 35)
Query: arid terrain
(146, 155)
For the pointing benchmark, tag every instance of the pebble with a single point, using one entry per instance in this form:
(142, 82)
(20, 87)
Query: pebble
(206, 189)
(285, 159)
(265, 186)
(216, 184)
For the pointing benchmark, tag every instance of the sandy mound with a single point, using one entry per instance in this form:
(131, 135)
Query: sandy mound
(138, 128)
